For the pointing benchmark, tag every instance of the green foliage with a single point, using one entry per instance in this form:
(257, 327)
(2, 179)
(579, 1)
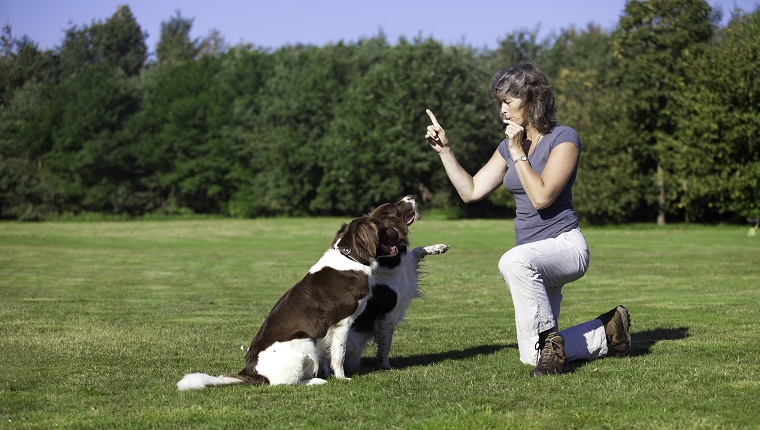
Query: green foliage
(75, 52)
(666, 107)
(373, 151)
(22, 62)
(652, 43)
(717, 141)
(119, 42)
(180, 137)
(80, 159)
(520, 45)
(175, 44)
(297, 107)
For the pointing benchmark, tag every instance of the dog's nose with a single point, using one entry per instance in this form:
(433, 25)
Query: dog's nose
(409, 198)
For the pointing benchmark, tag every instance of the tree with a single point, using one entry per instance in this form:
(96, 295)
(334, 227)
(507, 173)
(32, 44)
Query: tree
(520, 45)
(213, 44)
(25, 75)
(651, 40)
(172, 148)
(175, 43)
(64, 141)
(581, 63)
(22, 194)
(120, 42)
(297, 107)
(375, 151)
(191, 143)
(245, 72)
(81, 118)
(21, 62)
(717, 132)
(667, 110)
(75, 52)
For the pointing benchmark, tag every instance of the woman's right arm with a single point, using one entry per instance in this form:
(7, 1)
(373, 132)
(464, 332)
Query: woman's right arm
(470, 188)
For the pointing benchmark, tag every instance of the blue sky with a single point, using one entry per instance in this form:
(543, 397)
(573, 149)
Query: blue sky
(275, 23)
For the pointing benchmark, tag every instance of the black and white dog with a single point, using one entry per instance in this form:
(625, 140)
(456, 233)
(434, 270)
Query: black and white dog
(395, 285)
(312, 319)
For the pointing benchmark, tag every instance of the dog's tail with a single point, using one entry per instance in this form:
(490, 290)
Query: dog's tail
(196, 381)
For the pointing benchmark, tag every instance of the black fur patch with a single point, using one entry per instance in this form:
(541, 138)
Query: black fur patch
(392, 262)
(383, 300)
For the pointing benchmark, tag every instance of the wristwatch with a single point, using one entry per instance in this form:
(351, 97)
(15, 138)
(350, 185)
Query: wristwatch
(519, 159)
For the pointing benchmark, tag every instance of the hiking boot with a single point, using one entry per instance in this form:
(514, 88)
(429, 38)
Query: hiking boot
(617, 323)
(551, 356)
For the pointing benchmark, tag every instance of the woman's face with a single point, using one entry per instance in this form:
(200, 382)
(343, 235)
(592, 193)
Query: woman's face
(512, 110)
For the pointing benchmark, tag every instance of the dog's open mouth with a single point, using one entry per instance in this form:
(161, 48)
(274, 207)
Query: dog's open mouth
(412, 217)
(389, 250)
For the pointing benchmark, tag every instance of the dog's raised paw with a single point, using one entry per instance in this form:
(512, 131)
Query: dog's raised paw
(421, 251)
(436, 249)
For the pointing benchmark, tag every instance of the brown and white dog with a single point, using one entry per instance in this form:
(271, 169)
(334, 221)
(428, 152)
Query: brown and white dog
(395, 285)
(312, 319)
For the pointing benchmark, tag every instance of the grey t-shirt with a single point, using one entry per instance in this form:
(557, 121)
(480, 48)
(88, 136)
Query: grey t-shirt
(532, 225)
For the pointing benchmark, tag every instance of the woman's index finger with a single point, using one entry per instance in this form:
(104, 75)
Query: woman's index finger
(432, 117)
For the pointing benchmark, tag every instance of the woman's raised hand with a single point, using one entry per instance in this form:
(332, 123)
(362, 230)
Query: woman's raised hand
(435, 135)
(515, 134)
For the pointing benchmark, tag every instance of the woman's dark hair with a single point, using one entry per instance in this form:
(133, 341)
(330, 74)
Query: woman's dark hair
(528, 82)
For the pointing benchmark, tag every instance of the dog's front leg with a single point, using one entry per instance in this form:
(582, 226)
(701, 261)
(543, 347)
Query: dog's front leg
(337, 336)
(421, 251)
(384, 338)
(323, 348)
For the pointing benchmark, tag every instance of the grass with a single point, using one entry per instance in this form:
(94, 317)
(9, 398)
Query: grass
(99, 320)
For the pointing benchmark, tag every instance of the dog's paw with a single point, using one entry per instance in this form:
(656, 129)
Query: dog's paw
(422, 251)
(437, 249)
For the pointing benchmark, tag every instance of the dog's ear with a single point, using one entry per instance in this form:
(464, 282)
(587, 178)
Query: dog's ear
(339, 234)
(359, 237)
(366, 237)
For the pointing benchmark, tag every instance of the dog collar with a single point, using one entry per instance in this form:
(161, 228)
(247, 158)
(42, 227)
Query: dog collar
(350, 254)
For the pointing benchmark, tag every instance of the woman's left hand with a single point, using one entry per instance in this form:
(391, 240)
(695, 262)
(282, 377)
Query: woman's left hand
(515, 134)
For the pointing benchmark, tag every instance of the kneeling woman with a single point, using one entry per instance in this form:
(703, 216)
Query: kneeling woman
(537, 162)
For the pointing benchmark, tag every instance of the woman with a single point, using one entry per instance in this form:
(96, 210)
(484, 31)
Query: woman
(537, 163)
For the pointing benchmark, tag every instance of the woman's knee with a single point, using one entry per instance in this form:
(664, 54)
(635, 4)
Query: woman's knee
(513, 262)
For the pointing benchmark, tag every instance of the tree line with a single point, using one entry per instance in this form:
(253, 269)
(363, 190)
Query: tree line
(666, 104)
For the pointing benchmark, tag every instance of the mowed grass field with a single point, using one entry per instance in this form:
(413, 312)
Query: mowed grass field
(99, 320)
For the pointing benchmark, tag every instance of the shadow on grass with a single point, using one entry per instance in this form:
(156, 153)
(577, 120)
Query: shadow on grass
(643, 341)
(369, 364)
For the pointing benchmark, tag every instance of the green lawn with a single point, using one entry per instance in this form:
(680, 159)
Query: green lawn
(98, 321)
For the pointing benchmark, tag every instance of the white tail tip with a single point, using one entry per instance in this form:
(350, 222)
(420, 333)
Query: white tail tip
(196, 381)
